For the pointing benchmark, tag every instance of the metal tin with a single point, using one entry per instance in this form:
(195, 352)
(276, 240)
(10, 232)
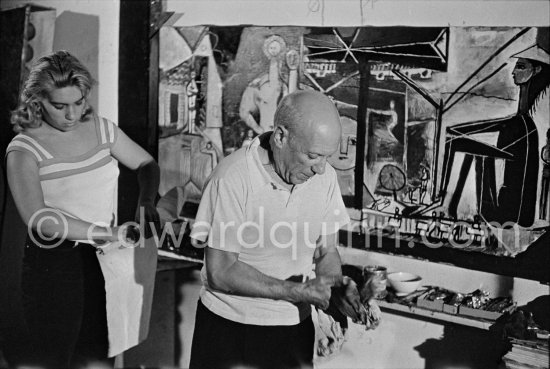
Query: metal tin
(375, 277)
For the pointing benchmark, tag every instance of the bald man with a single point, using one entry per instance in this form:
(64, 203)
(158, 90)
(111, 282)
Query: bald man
(268, 217)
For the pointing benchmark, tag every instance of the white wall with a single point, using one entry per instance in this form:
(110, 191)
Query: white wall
(107, 12)
(362, 12)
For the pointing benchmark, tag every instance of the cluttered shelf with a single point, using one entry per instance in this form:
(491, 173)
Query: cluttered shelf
(476, 309)
(405, 293)
(437, 315)
(530, 264)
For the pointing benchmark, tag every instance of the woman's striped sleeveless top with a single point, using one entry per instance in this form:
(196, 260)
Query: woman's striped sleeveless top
(82, 186)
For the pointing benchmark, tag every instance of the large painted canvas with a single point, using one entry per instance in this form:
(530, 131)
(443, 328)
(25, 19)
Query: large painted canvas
(444, 129)
(476, 174)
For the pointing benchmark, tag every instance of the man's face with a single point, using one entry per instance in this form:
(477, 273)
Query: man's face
(302, 158)
(523, 71)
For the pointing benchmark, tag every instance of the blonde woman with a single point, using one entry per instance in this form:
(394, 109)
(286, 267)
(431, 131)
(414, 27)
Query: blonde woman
(62, 171)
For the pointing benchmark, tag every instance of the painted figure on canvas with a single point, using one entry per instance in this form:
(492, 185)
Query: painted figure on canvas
(192, 91)
(261, 96)
(517, 144)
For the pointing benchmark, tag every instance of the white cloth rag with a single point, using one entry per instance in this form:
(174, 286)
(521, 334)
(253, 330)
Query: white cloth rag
(129, 274)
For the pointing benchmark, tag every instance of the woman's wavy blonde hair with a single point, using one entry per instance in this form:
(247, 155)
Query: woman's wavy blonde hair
(57, 70)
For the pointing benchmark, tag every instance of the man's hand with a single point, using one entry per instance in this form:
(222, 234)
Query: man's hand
(317, 291)
(347, 300)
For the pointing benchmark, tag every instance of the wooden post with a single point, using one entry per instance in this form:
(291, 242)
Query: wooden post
(138, 90)
(364, 75)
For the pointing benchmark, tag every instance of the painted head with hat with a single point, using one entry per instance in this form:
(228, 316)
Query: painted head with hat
(528, 63)
(532, 74)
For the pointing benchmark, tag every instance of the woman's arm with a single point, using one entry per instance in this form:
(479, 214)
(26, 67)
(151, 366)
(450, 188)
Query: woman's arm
(22, 173)
(136, 158)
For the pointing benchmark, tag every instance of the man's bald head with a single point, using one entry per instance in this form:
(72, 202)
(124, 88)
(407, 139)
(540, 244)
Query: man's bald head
(307, 131)
(306, 113)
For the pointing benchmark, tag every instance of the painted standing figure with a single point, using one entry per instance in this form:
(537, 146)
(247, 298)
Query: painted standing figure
(192, 92)
(517, 143)
(261, 96)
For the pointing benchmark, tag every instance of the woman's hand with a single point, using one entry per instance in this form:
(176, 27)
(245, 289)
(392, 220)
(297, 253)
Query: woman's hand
(147, 214)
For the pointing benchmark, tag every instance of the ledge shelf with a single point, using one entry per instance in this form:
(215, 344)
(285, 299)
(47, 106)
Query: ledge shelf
(436, 315)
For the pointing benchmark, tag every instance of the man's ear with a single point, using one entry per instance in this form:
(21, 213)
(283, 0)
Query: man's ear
(280, 136)
(537, 69)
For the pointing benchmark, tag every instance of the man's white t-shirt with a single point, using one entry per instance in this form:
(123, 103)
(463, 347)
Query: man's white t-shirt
(273, 229)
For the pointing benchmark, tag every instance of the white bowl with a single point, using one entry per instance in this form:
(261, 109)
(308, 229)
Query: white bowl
(404, 283)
